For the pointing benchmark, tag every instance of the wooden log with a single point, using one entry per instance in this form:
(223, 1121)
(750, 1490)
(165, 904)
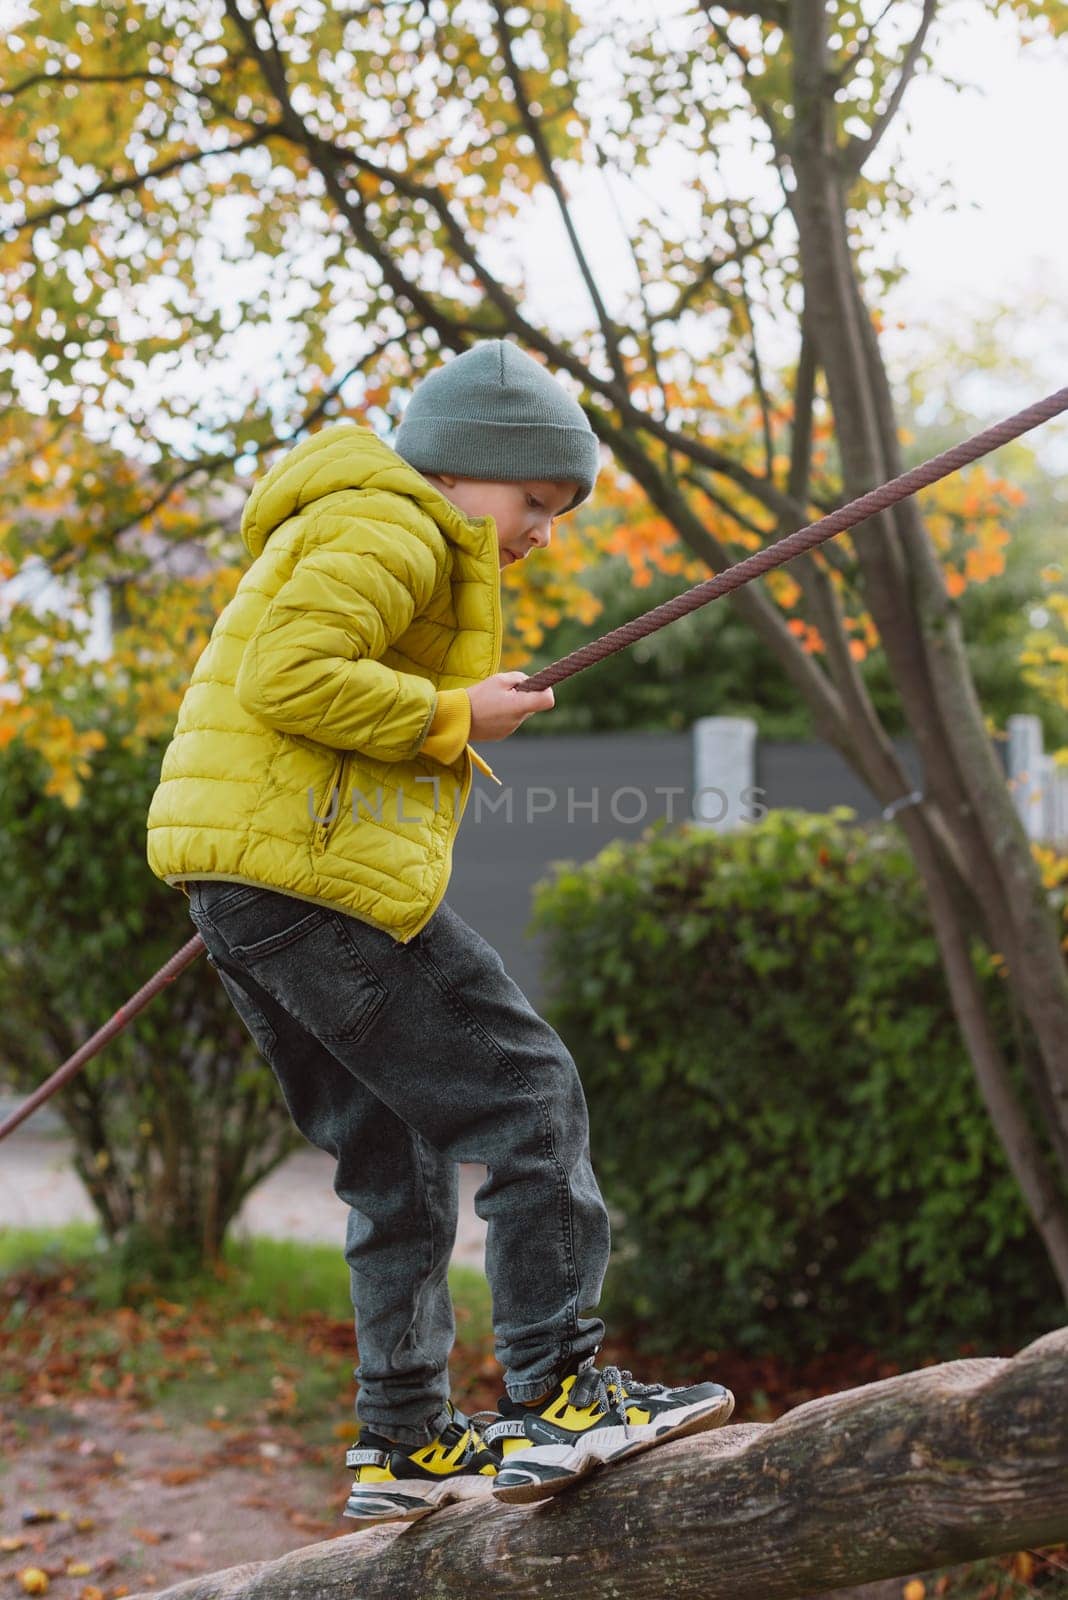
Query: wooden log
(947, 1464)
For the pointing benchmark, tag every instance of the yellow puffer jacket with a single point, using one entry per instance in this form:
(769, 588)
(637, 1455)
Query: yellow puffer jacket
(320, 746)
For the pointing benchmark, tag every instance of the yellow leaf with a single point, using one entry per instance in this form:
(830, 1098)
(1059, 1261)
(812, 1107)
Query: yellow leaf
(1023, 1566)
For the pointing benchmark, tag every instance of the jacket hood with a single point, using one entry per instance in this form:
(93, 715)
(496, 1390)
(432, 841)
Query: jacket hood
(347, 456)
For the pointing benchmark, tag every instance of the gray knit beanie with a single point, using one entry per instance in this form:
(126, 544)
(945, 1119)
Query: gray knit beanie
(495, 413)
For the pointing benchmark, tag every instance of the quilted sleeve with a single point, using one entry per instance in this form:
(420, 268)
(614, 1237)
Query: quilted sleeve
(311, 666)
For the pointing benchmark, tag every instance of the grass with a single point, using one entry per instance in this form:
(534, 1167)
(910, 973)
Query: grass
(276, 1277)
(34, 1247)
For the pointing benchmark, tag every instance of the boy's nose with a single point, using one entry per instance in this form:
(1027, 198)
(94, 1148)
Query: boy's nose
(541, 534)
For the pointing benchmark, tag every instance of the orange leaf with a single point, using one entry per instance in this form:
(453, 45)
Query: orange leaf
(1023, 1566)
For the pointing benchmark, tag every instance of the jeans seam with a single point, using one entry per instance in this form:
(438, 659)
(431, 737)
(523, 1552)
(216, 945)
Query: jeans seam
(430, 1227)
(482, 1035)
(238, 894)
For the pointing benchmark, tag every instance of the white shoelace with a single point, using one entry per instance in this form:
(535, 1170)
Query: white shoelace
(594, 1384)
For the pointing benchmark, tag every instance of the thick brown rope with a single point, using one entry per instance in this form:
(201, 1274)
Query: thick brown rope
(754, 566)
(796, 544)
(115, 1024)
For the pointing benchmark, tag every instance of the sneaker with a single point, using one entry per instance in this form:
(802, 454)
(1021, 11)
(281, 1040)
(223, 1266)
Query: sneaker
(400, 1483)
(590, 1418)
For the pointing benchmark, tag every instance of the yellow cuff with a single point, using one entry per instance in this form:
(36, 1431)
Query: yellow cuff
(451, 726)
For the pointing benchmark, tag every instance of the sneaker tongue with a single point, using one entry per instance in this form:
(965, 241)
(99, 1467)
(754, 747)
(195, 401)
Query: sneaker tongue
(584, 1388)
(456, 1427)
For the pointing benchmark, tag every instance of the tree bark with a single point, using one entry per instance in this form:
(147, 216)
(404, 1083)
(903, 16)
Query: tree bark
(952, 1463)
(1037, 969)
(921, 634)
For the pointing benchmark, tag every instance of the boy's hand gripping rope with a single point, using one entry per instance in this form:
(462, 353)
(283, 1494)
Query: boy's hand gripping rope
(754, 566)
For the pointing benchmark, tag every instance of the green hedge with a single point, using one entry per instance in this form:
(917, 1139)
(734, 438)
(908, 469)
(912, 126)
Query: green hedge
(781, 1107)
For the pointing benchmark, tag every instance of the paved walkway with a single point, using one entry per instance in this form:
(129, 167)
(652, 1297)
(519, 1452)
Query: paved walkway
(39, 1188)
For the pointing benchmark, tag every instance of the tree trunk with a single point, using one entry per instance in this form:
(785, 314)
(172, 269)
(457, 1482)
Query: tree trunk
(921, 635)
(952, 1463)
(845, 718)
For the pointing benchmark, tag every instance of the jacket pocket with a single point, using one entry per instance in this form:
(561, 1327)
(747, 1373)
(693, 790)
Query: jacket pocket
(330, 809)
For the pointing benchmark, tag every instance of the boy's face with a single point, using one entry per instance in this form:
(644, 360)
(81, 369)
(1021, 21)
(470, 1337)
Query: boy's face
(523, 512)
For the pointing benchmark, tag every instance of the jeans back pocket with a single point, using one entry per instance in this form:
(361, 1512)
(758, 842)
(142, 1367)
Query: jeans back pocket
(311, 966)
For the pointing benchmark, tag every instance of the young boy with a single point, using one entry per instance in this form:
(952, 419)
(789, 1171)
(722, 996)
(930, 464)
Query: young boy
(307, 804)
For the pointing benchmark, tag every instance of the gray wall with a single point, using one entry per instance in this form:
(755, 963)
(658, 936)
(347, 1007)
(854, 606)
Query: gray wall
(497, 859)
(814, 777)
(550, 783)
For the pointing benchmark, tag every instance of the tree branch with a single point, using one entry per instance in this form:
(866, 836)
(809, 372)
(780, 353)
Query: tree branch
(70, 554)
(751, 602)
(198, 93)
(856, 152)
(651, 357)
(711, 268)
(758, 374)
(537, 139)
(135, 180)
(866, 34)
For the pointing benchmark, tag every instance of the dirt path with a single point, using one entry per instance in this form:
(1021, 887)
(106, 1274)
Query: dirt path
(138, 1504)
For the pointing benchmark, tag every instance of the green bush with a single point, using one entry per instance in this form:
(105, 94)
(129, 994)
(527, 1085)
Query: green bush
(178, 1117)
(782, 1110)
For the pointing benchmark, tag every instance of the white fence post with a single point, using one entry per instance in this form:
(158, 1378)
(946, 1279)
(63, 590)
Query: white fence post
(724, 763)
(1060, 805)
(1054, 808)
(1026, 773)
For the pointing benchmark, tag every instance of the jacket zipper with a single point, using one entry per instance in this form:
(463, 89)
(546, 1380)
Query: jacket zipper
(323, 829)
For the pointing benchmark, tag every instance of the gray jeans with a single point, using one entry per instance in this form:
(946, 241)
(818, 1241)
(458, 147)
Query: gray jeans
(402, 1060)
